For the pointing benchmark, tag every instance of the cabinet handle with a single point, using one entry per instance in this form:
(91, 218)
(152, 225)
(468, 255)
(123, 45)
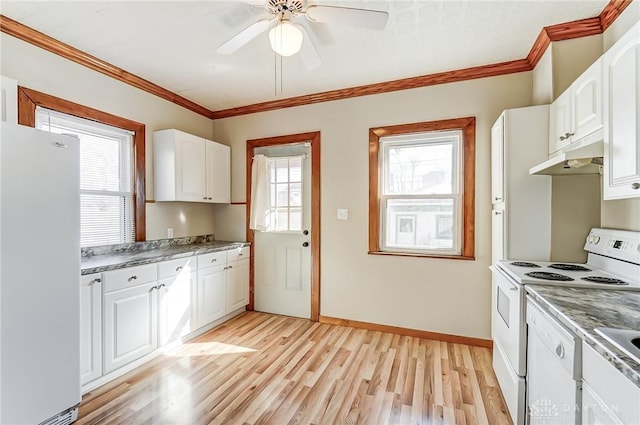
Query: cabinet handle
(213, 260)
(497, 198)
(230, 267)
(209, 198)
(152, 288)
(162, 285)
(560, 350)
(134, 277)
(240, 255)
(497, 212)
(635, 186)
(96, 280)
(178, 268)
(204, 197)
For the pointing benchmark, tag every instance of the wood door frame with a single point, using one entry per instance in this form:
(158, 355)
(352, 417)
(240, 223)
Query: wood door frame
(314, 139)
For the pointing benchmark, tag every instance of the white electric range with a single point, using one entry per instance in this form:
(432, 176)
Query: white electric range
(613, 263)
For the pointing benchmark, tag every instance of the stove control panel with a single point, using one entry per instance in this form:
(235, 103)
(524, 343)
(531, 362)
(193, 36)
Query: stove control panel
(619, 244)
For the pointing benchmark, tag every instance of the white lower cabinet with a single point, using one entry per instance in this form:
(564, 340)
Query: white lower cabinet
(210, 295)
(130, 325)
(90, 327)
(237, 285)
(608, 396)
(130, 313)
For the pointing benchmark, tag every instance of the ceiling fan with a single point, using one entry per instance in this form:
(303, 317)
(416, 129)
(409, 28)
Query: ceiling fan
(288, 38)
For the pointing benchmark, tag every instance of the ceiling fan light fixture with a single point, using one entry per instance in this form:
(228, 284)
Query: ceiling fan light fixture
(285, 38)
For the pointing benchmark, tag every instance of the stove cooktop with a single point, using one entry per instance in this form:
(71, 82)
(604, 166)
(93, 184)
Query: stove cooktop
(567, 274)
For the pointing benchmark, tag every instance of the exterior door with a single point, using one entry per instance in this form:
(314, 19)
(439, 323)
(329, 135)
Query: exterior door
(282, 265)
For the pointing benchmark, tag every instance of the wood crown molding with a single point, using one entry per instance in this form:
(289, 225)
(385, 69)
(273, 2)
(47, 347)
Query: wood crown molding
(436, 336)
(559, 32)
(36, 38)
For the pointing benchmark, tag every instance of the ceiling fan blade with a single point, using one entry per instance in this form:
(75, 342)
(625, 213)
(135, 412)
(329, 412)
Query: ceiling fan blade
(244, 36)
(362, 18)
(308, 53)
(320, 31)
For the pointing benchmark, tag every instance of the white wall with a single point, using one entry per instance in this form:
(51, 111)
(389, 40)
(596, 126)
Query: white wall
(43, 71)
(448, 296)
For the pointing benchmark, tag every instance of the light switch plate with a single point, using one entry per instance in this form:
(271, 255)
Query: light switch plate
(343, 214)
(169, 232)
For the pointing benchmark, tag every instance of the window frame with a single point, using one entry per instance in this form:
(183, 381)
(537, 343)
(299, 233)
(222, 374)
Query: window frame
(28, 99)
(467, 241)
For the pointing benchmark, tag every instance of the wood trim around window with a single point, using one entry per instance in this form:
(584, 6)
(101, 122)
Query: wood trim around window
(314, 139)
(28, 100)
(468, 127)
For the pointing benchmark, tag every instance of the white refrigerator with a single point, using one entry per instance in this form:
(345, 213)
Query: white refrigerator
(39, 277)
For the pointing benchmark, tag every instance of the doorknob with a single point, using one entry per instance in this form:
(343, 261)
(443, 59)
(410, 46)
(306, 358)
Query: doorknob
(305, 232)
(305, 244)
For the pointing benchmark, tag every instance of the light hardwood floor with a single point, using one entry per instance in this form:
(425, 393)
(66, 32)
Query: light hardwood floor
(267, 369)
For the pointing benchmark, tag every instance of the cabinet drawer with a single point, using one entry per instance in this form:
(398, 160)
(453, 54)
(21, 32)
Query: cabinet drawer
(175, 267)
(237, 254)
(131, 276)
(212, 259)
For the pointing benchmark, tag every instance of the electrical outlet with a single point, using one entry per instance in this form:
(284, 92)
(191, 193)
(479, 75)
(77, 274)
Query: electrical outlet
(343, 214)
(169, 232)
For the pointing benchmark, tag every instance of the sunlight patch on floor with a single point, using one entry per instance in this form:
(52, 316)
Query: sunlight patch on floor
(208, 349)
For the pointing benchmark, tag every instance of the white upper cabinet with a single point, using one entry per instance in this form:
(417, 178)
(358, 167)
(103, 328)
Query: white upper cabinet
(497, 161)
(190, 168)
(218, 172)
(622, 117)
(587, 102)
(577, 113)
(560, 125)
(9, 100)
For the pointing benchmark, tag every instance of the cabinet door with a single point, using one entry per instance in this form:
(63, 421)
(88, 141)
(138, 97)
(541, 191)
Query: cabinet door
(90, 327)
(498, 248)
(594, 411)
(497, 161)
(622, 121)
(190, 168)
(210, 295)
(130, 325)
(9, 100)
(175, 309)
(560, 124)
(218, 172)
(587, 101)
(237, 285)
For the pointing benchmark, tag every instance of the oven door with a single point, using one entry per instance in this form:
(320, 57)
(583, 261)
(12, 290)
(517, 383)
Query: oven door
(508, 319)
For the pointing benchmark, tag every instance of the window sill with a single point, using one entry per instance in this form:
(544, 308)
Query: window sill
(407, 254)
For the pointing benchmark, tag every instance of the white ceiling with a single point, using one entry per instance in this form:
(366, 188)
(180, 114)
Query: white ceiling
(172, 43)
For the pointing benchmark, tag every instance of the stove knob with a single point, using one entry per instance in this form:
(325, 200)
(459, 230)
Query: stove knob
(596, 239)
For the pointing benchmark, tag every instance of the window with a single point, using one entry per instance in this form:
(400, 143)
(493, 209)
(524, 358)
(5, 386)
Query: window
(421, 190)
(29, 100)
(106, 177)
(285, 194)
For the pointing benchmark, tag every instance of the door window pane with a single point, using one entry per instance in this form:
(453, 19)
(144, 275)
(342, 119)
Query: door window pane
(285, 194)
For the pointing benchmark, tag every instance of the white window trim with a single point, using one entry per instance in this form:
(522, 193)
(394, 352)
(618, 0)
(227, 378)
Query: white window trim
(455, 137)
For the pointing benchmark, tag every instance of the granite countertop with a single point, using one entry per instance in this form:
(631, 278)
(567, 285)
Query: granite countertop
(583, 309)
(112, 257)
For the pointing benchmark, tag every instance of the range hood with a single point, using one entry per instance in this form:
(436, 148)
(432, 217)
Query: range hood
(583, 157)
